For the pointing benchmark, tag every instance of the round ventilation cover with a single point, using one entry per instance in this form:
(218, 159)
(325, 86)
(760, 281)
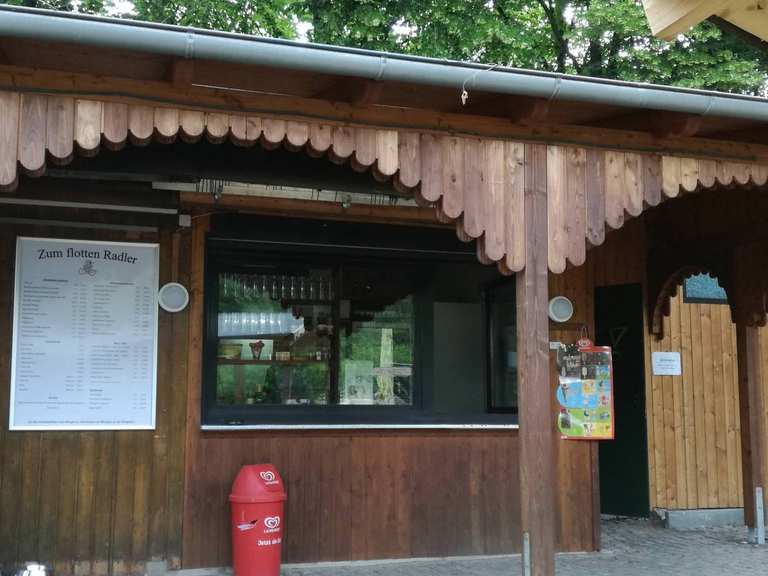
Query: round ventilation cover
(560, 309)
(173, 297)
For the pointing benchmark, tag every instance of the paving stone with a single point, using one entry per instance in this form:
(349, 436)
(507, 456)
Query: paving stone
(631, 547)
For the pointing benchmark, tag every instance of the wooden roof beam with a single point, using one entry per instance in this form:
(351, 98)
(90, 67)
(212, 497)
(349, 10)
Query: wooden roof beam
(519, 109)
(740, 33)
(5, 59)
(751, 16)
(181, 72)
(531, 110)
(659, 123)
(672, 124)
(668, 18)
(355, 91)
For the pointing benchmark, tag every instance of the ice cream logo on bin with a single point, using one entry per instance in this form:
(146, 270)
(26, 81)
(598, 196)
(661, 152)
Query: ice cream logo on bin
(271, 524)
(269, 477)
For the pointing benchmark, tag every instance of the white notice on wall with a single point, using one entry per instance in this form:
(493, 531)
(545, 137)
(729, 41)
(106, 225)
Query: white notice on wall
(666, 364)
(84, 351)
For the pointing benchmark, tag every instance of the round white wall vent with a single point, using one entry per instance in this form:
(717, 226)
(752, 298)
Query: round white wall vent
(173, 297)
(560, 309)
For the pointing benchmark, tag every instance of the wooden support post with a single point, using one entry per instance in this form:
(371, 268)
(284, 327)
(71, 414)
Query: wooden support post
(751, 414)
(537, 437)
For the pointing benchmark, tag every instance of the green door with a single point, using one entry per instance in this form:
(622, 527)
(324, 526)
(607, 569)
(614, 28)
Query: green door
(624, 461)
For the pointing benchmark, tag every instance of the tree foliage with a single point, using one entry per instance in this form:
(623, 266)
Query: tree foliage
(602, 38)
(273, 18)
(84, 6)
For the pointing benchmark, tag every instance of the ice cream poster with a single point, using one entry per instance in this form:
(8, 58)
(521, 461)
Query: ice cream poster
(585, 393)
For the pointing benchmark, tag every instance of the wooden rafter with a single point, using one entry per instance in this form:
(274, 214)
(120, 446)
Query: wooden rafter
(746, 18)
(668, 18)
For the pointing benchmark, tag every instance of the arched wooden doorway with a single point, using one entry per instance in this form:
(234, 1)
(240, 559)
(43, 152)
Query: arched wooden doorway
(721, 232)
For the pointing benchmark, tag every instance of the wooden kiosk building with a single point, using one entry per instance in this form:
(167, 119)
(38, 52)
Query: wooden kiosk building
(447, 228)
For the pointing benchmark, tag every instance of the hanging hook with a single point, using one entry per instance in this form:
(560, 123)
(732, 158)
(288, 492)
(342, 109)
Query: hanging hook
(464, 96)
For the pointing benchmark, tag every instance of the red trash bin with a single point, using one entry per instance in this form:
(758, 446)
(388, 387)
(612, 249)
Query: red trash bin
(257, 499)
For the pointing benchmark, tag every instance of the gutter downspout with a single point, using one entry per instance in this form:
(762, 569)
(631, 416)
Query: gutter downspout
(191, 43)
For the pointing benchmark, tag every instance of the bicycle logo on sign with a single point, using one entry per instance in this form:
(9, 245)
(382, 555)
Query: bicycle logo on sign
(87, 268)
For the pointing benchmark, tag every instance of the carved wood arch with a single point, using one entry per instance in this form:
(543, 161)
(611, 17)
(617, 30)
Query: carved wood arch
(660, 295)
(476, 183)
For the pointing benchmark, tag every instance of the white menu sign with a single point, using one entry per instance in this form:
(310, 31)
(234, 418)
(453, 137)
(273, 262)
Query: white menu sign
(84, 350)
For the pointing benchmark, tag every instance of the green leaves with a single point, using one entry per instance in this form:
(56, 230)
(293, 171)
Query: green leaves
(275, 18)
(604, 38)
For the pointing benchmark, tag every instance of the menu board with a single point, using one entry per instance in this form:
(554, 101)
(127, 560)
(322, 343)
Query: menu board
(84, 352)
(585, 392)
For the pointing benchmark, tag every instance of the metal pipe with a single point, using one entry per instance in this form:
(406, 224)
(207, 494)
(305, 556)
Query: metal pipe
(759, 517)
(193, 43)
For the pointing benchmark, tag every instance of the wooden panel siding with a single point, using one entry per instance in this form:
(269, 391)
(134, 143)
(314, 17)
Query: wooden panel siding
(486, 205)
(579, 483)
(764, 358)
(354, 496)
(98, 502)
(696, 434)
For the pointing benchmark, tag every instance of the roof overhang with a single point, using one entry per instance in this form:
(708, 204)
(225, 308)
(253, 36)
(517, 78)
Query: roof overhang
(668, 18)
(40, 44)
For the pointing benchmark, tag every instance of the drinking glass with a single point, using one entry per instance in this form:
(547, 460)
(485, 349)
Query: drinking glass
(253, 323)
(272, 323)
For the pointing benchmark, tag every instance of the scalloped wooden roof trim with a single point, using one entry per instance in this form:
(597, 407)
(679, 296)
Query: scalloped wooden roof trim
(477, 183)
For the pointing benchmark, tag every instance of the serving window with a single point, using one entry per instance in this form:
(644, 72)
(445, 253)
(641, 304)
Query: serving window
(311, 335)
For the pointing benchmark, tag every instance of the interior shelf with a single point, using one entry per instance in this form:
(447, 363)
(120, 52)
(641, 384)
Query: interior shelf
(270, 362)
(270, 336)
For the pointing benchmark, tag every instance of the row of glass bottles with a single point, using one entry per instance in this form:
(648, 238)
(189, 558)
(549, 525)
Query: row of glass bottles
(278, 286)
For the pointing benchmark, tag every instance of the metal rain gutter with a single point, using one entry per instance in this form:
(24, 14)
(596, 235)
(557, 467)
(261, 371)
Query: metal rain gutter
(193, 43)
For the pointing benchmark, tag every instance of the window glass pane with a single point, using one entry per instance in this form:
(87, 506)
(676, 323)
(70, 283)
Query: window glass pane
(503, 326)
(376, 314)
(704, 288)
(275, 332)
(459, 346)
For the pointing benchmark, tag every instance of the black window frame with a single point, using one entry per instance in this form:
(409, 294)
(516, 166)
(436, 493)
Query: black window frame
(489, 293)
(217, 259)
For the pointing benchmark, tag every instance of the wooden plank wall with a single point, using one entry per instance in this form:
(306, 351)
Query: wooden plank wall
(362, 495)
(694, 450)
(578, 495)
(94, 502)
(377, 494)
(764, 356)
